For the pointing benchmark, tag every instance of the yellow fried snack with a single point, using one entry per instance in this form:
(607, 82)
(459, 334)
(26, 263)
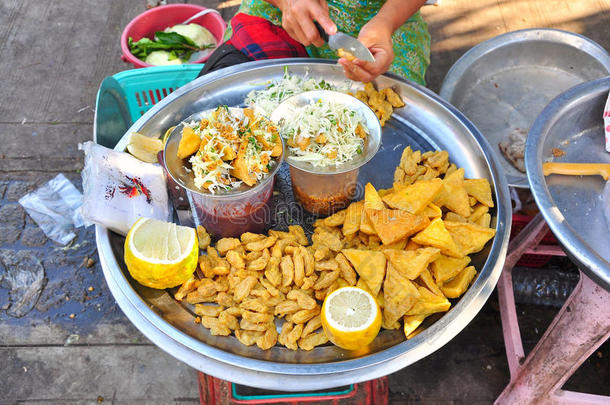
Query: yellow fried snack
(429, 303)
(189, 143)
(372, 200)
(436, 235)
(382, 102)
(470, 238)
(445, 267)
(412, 322)
(454, 195)
(426, 279)
(351, 224)
(480, 189)
(414, 197)
(370, 266)
(342, 53)
(411, 263)
(458, 285)
(399, 295)
(477, 212)
(432, 211)
(240, 168)
(393, 98)
(484, 221)
(406, 245)
(393, 225)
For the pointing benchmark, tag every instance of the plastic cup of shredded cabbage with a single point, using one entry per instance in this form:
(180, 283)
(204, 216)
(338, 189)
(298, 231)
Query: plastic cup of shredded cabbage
(323, 187)
(223, 212)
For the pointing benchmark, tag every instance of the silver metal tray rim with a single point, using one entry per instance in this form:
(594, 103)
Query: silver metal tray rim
(460, 67)
(202, 356)
(592, 263)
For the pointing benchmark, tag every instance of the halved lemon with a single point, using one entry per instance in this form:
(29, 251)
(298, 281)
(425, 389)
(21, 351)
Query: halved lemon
(144, 147)
(161, 254)
(351, 317)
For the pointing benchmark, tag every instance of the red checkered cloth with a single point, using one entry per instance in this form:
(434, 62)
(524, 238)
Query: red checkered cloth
(258, 39)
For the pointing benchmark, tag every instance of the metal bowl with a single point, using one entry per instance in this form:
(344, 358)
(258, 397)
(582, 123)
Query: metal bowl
(425, 123)
(572, 205)
(502, 84)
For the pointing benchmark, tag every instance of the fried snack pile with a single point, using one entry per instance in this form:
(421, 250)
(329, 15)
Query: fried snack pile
(382, 102)
(407, 245)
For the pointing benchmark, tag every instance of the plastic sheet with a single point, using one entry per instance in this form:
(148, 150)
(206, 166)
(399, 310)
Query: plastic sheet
(24, 277)
(119, 189)
(54, 207)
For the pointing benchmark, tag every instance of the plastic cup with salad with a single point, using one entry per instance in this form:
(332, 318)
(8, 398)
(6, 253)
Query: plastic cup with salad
(226, 159)
(328, 135)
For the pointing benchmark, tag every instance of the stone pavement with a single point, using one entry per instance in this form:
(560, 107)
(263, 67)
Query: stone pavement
(62, 337)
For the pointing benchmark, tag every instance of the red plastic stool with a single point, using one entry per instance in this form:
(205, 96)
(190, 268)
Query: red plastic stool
(214, 391)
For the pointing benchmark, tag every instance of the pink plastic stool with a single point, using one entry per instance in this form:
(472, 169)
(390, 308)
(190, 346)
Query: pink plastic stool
(580, 327)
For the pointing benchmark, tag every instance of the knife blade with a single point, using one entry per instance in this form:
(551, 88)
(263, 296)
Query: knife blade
(347, 43)
(178, 197)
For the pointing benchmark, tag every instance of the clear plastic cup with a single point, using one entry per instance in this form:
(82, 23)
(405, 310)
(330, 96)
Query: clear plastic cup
(324, 190)
(227, 213)
(231, 215)
(323, 194)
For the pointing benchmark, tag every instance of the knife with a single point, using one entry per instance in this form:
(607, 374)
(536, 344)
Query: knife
(177, 196)
(347, 43)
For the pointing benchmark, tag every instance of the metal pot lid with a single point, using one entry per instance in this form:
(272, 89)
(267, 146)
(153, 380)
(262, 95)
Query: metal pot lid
(425, 123)
(572, 205)
(502, 84)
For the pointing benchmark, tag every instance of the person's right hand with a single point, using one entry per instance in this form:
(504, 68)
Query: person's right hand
(298, 17)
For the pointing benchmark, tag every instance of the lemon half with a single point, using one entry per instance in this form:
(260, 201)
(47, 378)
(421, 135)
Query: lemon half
(144, 147)
(161, 254)
(351, 317)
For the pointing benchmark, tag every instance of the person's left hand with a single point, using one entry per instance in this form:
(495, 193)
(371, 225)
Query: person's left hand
(378, 39)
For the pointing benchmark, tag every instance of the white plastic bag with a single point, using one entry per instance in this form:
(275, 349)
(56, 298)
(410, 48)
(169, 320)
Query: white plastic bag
(119, 189)
(54, 207)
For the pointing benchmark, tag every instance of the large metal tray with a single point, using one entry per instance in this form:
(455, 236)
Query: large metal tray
(502, 84)
(426, 123)
(572, 205)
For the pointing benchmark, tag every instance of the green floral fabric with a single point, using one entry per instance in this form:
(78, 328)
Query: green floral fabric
(411, 40)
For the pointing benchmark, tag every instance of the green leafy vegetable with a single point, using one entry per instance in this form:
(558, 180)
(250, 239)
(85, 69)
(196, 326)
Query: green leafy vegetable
(177, 45)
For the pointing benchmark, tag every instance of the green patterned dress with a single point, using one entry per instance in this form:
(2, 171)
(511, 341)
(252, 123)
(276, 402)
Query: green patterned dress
(411, 40)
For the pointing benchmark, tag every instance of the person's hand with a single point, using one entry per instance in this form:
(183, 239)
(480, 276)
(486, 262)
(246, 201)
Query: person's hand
(378, 38)
(298, 17)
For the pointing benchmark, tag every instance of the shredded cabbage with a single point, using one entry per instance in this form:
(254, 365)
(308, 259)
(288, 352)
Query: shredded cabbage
(222, 132)
(268, 99)
(324, 133)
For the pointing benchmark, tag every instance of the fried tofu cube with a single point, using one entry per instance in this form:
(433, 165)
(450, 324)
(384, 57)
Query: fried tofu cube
(189, 143)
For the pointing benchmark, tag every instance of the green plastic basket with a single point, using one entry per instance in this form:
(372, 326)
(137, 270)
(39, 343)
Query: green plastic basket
(124, 97)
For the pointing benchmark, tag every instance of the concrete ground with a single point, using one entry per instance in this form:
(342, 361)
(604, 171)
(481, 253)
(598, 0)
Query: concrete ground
(62, 338)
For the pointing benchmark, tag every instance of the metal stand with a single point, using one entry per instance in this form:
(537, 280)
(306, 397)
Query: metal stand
(580, 327)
